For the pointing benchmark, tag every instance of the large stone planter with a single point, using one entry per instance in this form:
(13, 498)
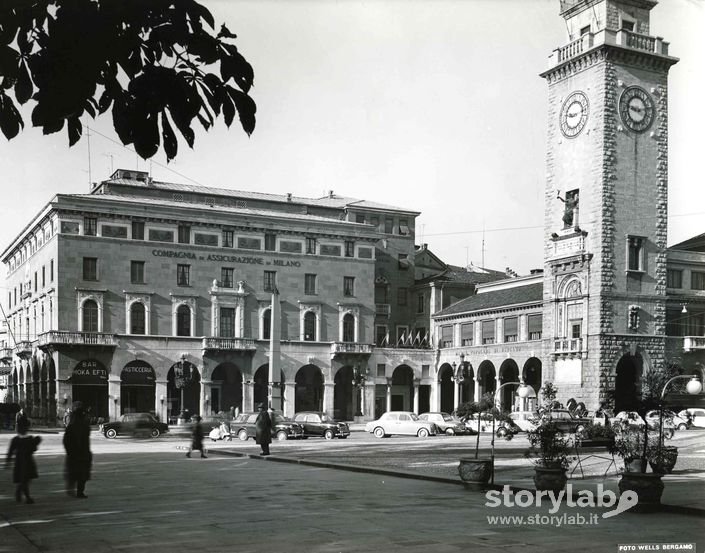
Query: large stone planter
(664, 461)
(550, 479)
(648, 488)
(478, 471)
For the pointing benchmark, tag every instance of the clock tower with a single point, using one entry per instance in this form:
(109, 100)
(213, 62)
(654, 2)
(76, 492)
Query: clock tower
(606, 202)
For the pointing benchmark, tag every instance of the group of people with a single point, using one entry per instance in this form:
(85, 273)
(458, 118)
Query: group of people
(263, 433)
(79, 458)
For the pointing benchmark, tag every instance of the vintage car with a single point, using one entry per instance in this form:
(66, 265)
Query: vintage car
(446, 424)
(135, 424)
(627, 419)
(243, 426)
(565, 420)
(318, 423)
(400, 422)
(696, 416)
(669, 419)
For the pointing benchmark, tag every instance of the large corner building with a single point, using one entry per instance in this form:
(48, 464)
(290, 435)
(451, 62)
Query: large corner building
(154, 296)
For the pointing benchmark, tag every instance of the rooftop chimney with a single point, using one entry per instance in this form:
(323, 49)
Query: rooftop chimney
(288, 196)
(330, 194)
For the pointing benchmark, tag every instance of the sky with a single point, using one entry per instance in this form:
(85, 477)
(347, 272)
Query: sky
(435, 106)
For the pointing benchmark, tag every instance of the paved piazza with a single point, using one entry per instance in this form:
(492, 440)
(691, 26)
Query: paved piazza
(146, 496)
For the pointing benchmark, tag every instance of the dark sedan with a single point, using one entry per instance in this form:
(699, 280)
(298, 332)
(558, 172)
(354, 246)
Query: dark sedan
(135, 424)
(243, 426)
(318, 423)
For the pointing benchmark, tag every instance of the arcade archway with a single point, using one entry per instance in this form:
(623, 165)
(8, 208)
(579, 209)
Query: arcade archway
(89, 385)
(308, 395)
(402, 388)
(508, 372)
(183, 387)
(137, 387)
(344, 395)
(445, 387)
(627, 383)
(226, 388)
(486, 377)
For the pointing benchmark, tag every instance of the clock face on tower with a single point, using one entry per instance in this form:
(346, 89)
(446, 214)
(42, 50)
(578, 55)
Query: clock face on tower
(636, 109)
(574, 114)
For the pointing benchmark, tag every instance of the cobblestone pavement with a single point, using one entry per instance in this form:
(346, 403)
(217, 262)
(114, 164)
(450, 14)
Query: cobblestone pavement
(162, 502)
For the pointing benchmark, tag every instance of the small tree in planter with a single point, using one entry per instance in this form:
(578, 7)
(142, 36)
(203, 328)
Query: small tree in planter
(476, 469)
(637, 446)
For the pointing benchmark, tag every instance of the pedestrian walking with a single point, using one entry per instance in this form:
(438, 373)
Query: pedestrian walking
(197, 437)
(21, 419)
(22, 447)
(263, 429)
(78, 452)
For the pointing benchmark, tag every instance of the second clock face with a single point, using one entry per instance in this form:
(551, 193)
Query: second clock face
(574, 114)
(636, 109)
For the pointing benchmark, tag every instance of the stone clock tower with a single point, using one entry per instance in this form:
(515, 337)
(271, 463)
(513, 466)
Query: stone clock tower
(606, 202)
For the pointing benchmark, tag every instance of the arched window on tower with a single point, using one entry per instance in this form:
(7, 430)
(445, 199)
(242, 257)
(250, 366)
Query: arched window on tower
(90, 316)
(137, 318)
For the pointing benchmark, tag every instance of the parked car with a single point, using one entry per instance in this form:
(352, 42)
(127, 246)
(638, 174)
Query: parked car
(566, 421)
(318, 423)
(506, 428)
(669, 418)
(135, 424)
(525, 420)
(243, 426)
(400, 422)
(446, 424)
(695, 415)
(484, 423)
(624, 419)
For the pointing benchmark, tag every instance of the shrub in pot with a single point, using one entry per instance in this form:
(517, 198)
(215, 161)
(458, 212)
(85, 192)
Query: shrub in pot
(476, 469)
(550, 449)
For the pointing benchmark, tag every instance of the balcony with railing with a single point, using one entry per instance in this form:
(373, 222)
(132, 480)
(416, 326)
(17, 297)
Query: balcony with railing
(23, 348)
(69, 338)
(622, 37)
(383, 309)
(5, 354)
(568, 345)
(693, 343)
(229, 344)
(338, 348)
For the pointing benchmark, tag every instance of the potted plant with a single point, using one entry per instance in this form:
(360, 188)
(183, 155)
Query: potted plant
(550, 450)
(596, 435)
(476, 469)
(638, 445)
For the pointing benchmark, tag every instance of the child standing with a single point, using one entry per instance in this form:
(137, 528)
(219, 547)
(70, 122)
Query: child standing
(22, 447)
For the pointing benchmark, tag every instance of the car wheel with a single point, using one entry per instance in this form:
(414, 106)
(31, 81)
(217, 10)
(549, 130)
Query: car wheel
(668, 433)
(682, 426)
(379, 432)
(422, 433)
(450, 432)
(501, 432)
(242, 434)
(328, 435)
(282, 435)
(155, 433)
(110, 433)
(580, 431)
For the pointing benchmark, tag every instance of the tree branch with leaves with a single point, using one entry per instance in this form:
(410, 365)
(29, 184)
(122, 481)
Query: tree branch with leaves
(158, 66)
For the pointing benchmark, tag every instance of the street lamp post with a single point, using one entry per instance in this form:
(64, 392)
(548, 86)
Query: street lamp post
(358, 381)
(524, 391)
(694, 387)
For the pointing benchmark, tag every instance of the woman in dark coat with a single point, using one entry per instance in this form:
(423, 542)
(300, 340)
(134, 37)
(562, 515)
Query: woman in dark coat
(78, 453)
(197, 437)
(22, 447)
(263, 429)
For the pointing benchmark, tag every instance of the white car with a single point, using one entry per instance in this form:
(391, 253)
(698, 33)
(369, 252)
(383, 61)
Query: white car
(526, 420)
(400, 422)
(696, 416)
(669, 418)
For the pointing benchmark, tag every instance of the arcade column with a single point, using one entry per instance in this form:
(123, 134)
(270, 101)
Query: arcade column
(114, 398)
(328, 397)
(161, 405)
(289, 397)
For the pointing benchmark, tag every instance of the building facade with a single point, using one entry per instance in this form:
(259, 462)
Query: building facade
(153, 296)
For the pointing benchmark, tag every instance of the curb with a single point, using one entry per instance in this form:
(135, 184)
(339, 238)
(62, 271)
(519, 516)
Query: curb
(663, 508)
